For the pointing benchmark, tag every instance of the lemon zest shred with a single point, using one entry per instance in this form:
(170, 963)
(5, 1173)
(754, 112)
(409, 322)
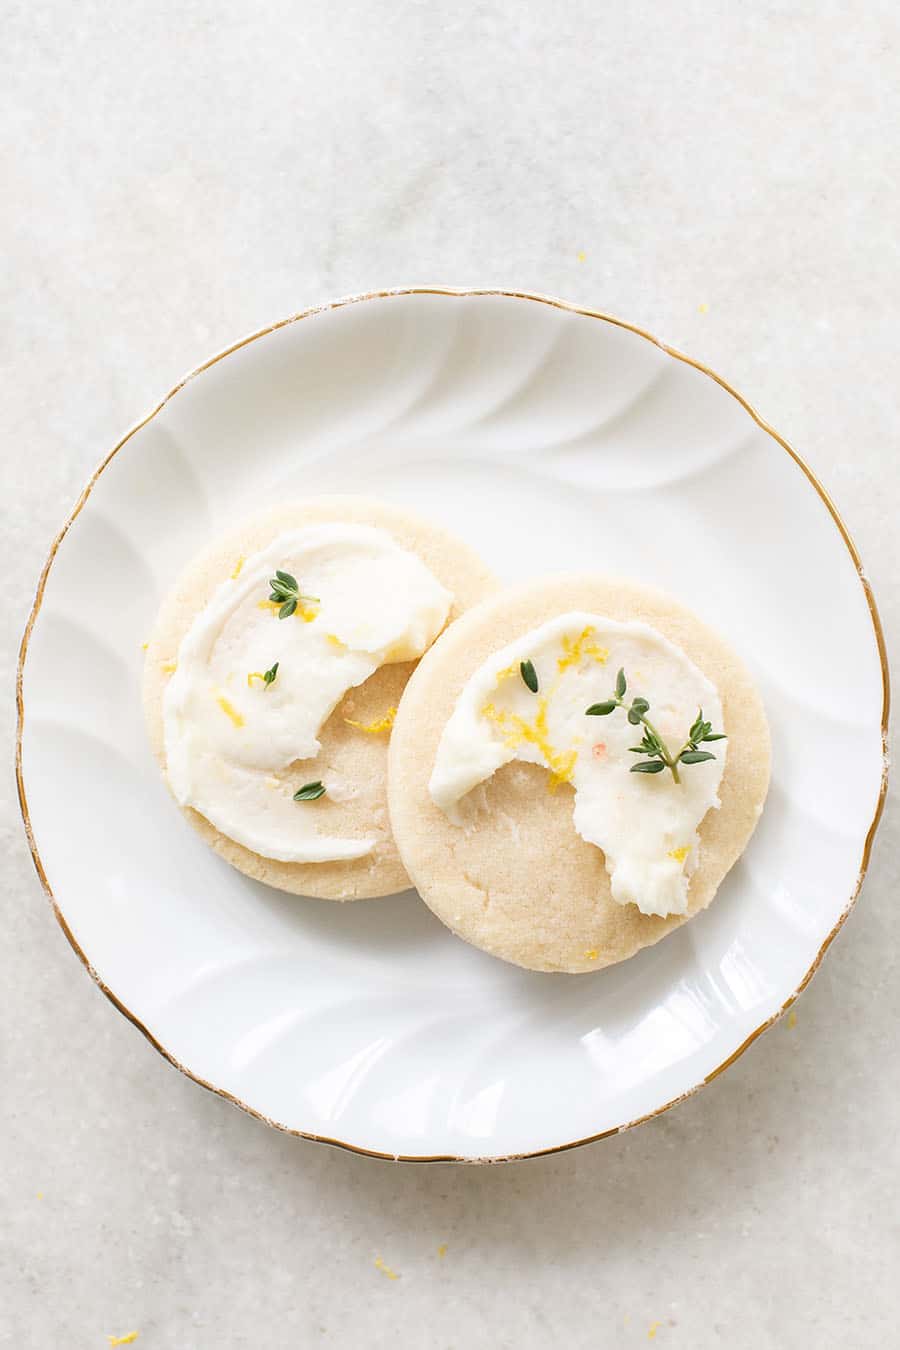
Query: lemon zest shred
(516, 730)
(506, 673)
(792, 1019)
(255, 675)
(144, 646)
(230, 710)
(336, 642)
(237, 567)
(123, 1340)
(679, 854)
(373, 728)
(576, 649)
(307, 615)
(385, 1269)
(651, 1333)
(442, 1250)
(592, 954)
(169, 667)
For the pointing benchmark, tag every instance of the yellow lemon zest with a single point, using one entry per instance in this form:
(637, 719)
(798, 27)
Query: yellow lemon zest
(581, 256)
(144, 646)
(336, 642)
(703, 309)
(576, 649)
(792, 1019)
(592, 954)
(230, 710)
(651, 1334)
(237, 567)
(515, 729)
(255, 675)
(679, 854)
(506, 673)
(442, 1250)
(380, 724)
(123, 1340)
(385, 1270)
(307, 615)
(169, 667)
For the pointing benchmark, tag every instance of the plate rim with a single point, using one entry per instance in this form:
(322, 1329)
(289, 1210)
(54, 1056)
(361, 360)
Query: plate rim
(455, 292)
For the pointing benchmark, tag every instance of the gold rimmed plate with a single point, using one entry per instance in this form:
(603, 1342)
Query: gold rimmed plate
(540, 432)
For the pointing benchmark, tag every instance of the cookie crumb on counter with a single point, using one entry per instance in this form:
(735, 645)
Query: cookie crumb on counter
(792, 1019)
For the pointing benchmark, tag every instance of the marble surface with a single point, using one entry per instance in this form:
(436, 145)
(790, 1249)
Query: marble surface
(178, 175)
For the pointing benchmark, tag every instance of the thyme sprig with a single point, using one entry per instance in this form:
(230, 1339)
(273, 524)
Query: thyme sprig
(310, 792)
(287, 594)
(659, 756)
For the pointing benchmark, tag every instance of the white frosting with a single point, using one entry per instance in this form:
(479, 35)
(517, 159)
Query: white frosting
(646, 824)
(229, 738)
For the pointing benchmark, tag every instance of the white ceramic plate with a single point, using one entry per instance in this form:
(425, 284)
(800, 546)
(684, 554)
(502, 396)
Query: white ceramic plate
(550, 439)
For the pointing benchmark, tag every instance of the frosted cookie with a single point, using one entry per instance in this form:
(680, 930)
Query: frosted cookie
(273, 676)
(575, 766)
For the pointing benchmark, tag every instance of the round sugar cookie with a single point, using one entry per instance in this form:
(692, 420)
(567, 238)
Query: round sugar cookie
(516, 879)
(357, 756)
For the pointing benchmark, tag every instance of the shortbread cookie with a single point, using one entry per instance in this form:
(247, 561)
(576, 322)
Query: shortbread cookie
(514, 764)
(314, 610)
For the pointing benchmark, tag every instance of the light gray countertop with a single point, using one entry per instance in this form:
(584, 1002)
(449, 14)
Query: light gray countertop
(179, 174)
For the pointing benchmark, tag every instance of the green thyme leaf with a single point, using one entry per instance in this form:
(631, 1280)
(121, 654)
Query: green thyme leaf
(715, 736)
(270, 674)
(695, 756)
(634, 717)
(529, 675)
(640, 706)
(651, 766)
(310, 792)
(601, 709)
(287, 609)
(621, 686)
